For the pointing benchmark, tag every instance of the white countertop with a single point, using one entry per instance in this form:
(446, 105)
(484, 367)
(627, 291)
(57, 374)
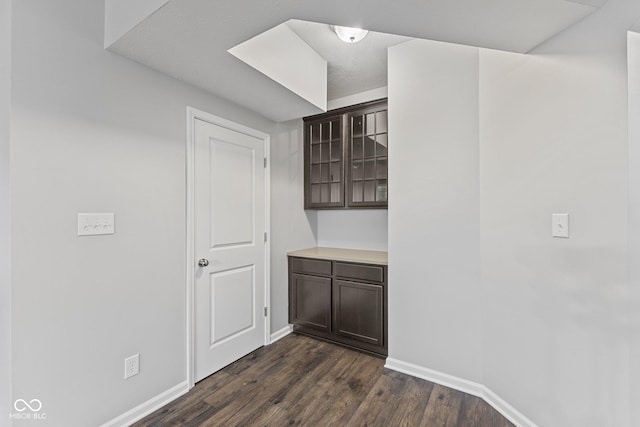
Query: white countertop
(340, 254)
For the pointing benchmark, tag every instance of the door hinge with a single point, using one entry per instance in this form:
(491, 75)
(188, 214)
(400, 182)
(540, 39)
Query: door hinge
(266, 311)
(265, 162)
(265, 237)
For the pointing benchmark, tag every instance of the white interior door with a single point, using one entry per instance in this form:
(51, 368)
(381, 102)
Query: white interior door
(229, 199)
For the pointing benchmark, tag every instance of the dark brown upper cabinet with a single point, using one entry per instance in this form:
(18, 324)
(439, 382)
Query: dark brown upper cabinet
(345, 157)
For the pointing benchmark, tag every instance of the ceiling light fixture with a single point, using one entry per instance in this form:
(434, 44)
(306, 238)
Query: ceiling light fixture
(350, 35)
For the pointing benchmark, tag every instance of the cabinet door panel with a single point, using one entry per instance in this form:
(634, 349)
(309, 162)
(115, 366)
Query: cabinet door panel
(369, 147)
(324, 164)
(367, 163)
(369, 191)
(325, 153)
(359, 311)
(382, 143)
(357, 147)
(315, 153)
(336, 172)
(311, 302)
(381, 121)
(314, 133)
(336, 150)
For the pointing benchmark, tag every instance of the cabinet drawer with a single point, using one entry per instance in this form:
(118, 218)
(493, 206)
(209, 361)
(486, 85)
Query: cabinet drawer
(311, 266)
(370, 273)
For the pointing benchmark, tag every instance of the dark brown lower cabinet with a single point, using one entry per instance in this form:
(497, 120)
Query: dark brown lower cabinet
(312, 301)
(359, 311)
(339, 301)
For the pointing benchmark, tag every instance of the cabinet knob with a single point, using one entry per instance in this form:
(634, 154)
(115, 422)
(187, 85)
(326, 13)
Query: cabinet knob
(203, 262)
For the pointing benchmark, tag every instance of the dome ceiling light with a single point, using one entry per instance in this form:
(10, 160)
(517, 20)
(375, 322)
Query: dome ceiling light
(350, 35)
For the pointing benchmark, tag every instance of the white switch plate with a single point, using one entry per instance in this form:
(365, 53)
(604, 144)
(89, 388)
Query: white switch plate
(91, 224)
(560, 225)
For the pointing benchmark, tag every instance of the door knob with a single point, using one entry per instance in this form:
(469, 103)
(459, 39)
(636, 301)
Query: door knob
(203, 262)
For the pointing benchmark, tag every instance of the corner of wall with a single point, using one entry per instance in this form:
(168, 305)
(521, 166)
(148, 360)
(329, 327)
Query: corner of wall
(5, 212)
(291, 226)
(633, 71)
(123, 15)
(434, 207)
(463, 385)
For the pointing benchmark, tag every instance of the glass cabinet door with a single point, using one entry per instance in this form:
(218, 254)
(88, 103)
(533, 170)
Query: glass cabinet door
(324, 163)
(345, 157)
(368, 158)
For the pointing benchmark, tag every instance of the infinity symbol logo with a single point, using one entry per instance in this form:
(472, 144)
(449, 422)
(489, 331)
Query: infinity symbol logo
(21, 405)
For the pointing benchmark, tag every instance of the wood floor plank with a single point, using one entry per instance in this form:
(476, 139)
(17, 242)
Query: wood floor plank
(476, 413)
(352, 390)
(379, 405)
(443, 408)
(306, 382)
(249, 370)
(290, 397)
(318, 399)
(267, 355)
(470, 413)
(192, 415)
(273, 394)
(174, 411)
(411, 407)
(280, 374)
(344, 391)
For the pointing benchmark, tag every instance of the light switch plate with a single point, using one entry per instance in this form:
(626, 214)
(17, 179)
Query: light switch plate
(92, 224)
(560, 225)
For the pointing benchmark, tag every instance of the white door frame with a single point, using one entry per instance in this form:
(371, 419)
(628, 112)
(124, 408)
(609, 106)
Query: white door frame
(193, 115)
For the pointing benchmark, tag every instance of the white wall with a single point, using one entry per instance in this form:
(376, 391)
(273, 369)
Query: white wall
(5, 209)
(634, 217)
(292, 227)
(434, 260)
(353, 228)
(92, 131)
(123, 15)
(551, 314)
(284, 57)
(553, 139)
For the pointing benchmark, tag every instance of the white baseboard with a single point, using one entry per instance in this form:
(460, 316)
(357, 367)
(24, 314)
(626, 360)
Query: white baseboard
(149, 406)
(446, 380)
(509, 412)
(465, 386)
(173, 393)
(280, 334)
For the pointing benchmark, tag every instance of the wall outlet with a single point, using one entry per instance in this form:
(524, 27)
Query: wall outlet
(131, 366)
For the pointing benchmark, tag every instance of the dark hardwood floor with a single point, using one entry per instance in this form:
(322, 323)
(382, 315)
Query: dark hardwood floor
(302, 381)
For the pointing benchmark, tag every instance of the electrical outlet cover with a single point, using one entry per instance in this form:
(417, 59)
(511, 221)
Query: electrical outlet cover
(131, 366)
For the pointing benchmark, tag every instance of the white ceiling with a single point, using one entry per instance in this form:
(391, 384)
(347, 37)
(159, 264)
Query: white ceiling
(352, 68)
(189, 39)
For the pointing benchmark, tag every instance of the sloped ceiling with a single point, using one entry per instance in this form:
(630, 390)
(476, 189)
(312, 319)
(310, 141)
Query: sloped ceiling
(189, 39)
(352, 68)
